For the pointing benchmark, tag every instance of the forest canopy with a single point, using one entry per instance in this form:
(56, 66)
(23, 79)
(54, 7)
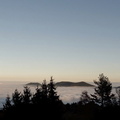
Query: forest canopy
(46, 103)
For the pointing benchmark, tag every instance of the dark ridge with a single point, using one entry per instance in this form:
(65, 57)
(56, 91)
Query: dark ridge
(65, 83)
(33, 84)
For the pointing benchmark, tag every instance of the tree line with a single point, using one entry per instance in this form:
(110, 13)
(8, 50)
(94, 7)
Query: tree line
(46, 104)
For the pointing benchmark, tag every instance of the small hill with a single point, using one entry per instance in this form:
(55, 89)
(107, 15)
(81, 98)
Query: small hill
(64, 84)
(33, 84)
(67, 84)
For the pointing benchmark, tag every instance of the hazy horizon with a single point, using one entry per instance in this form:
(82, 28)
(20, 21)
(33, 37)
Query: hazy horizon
(67, 94)
(47, 81)
(71, 40)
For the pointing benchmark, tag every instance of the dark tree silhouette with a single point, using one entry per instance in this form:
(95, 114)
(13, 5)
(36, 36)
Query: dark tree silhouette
(118, 94)
(54, 103)
(7, 104)
(52, 94)
(45, 104)
(102, 94)
(27, 95)
(85, 98)
(37, 97)
(17, 97)
(44, 90)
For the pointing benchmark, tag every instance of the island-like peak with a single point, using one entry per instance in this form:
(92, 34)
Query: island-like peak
(64, 84)
(33, 84)
(68, 83)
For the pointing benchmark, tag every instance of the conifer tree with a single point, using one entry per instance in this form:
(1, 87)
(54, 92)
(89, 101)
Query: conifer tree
(37, 97)
(102, 94)
(44, 90)
(118, 94)
(55, 105)
(26, 95)
(16, 97)
(52, 94)
(85, 98)
(7, 104)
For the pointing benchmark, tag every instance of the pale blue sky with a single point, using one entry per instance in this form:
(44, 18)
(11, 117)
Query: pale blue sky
(68, 39)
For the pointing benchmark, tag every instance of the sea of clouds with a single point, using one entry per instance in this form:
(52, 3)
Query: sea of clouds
(66, 94)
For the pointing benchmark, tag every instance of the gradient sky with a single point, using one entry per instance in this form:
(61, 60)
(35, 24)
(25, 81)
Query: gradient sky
(68, 39)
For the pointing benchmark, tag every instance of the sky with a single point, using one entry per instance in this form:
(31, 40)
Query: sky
(71, 40)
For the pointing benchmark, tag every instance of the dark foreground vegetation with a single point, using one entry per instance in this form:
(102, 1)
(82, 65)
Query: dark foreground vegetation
(45, 104)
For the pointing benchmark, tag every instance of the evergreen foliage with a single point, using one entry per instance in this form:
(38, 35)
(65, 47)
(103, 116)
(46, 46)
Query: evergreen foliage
(46, 104)
(118, 93)
(52, 94)
(37, 97)
(85, 98)
(17, 97)
(7, 104)
(103, 90)
(44, 89)
(27, 95)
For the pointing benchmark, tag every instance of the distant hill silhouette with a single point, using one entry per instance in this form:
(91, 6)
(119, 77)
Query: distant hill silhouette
(67, 83)
(64, 84)
(33, 84)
